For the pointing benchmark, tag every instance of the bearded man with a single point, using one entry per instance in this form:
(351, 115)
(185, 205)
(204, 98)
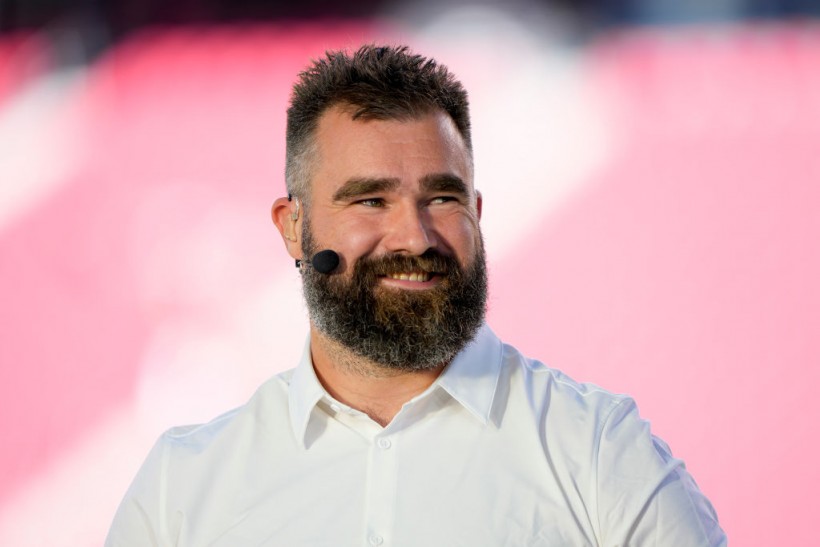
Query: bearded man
(407, 422)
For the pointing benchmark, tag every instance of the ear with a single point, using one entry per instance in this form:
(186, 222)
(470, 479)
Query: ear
(478, 203)
(287, 216)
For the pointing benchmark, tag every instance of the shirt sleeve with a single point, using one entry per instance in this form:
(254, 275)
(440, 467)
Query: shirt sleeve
(645, 496)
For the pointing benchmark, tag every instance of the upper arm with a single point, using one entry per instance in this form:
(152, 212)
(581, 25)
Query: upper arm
(138, 520)
(645, 495)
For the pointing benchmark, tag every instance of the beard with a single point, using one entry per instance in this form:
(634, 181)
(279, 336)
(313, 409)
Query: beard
(405, 330)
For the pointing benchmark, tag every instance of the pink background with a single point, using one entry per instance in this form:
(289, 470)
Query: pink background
(651, 217)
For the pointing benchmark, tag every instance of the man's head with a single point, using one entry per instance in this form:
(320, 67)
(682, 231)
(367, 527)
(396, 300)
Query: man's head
(384, 175)
(374, 83)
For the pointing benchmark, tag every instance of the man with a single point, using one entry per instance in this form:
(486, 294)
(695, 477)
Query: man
(407, 422)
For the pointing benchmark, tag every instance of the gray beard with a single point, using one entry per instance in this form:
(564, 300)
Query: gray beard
(398, 329)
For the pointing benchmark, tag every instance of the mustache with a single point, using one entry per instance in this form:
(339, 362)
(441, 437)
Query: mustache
(429, 262)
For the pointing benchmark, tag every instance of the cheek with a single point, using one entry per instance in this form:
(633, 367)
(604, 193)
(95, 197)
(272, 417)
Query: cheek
(462, 236)
(351, 238)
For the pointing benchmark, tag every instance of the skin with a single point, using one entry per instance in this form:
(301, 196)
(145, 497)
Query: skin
(381, 187)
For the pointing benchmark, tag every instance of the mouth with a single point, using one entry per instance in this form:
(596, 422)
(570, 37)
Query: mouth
(411, 276)
(411, 280)
(426, 271)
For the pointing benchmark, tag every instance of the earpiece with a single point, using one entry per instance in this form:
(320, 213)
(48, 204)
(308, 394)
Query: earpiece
(295, 214)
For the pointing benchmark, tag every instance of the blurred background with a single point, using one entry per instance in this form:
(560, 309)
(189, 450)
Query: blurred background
(651, 174)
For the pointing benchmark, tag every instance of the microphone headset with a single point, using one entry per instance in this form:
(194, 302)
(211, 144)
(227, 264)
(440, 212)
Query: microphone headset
(323, 262)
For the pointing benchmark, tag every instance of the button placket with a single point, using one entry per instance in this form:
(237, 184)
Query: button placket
(381, 492)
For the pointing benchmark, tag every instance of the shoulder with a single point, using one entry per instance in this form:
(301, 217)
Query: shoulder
(598, 438)
(184, 455)
(265, 409)
(550, 389)
(189, 463)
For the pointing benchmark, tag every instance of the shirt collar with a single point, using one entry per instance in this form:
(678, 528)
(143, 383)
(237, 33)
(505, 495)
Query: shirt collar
(472, 376)
(471, 379)
(303, 394)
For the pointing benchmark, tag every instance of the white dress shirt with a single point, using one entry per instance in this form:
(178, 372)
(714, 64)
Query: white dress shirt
(499, 451)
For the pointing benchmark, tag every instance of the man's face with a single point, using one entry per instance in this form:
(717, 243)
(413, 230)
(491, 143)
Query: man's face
(396, 200)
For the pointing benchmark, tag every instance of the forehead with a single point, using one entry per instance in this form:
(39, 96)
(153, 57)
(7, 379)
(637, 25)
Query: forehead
(404, 149)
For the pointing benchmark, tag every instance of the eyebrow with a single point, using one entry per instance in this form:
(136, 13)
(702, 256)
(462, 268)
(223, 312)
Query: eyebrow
(437, 182)
(354, 188)
(444, 182)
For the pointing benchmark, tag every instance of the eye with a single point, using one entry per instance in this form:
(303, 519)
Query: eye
(371, 202)
(442, 199)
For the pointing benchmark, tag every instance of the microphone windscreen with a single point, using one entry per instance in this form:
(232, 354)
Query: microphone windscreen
(325, 261)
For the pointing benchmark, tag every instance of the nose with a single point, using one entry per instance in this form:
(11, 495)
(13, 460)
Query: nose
(410, 231)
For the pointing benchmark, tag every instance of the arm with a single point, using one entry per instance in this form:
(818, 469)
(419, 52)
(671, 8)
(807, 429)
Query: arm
(645, 496)
(137, 522)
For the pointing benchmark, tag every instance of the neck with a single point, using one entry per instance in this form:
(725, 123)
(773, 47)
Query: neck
(365, 385)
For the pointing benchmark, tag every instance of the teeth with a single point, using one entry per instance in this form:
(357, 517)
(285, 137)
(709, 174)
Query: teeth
(410, 276)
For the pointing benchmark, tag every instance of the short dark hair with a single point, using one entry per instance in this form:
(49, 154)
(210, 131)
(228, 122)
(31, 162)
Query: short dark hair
(375, 82)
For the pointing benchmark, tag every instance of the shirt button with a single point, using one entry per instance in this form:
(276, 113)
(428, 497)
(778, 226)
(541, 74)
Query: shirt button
(335, 408)
(376, 540)
(384, 443)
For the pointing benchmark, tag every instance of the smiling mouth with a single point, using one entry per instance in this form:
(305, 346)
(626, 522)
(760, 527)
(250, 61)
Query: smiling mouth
(411, 276)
